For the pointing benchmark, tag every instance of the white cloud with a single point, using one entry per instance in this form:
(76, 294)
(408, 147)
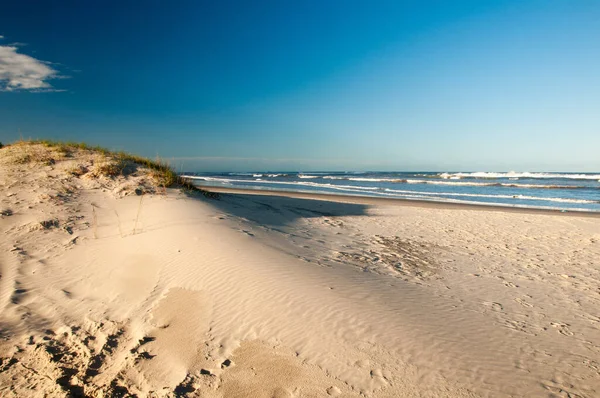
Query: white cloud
(22, 72)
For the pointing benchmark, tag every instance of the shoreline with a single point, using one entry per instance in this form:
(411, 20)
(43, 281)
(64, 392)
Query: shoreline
(357, 199)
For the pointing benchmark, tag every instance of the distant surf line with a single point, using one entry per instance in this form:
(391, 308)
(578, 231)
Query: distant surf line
(394, 180)
(420, 194)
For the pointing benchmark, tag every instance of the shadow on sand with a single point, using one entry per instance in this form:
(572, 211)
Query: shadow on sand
(275, 211)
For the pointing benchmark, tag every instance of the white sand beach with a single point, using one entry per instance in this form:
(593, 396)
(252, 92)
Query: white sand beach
(114, 286)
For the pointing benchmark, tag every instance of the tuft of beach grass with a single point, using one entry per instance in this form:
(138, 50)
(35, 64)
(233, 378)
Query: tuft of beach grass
(115, 164)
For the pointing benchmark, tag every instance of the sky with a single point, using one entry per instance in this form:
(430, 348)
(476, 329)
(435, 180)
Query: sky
(310, 85)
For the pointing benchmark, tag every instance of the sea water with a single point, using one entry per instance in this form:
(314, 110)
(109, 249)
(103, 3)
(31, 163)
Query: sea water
(551, 190)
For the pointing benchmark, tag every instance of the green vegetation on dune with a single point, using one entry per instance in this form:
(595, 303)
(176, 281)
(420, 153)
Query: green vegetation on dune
(120, 161)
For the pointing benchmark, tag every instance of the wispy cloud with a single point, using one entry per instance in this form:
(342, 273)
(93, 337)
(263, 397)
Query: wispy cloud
(21, 72)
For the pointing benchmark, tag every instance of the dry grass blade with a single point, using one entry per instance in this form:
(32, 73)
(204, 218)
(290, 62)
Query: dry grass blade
(116, 164)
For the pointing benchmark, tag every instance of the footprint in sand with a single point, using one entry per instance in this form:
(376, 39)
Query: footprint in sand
(523, 303)
(493, 305)
(283, 393)
(591, 318)
(143, 354)
(519, 326)
(171, 340)
(18, 296)
(563, 328)
(562, 391)
(378, 378)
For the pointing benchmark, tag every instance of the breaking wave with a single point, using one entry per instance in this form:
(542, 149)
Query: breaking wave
(513, 174)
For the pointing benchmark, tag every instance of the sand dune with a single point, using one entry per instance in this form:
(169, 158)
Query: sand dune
(109, 293)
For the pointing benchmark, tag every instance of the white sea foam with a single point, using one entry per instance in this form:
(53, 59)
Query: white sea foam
(307, 176)
(365, 179)
(204, 178)
(302, 183)
(454, 183)
(476, 195)
(496, 184)
(377, 179)
(414, 181)
(475, 202)
(514, 174)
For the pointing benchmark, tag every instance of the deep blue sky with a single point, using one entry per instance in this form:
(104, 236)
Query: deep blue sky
(329, 85)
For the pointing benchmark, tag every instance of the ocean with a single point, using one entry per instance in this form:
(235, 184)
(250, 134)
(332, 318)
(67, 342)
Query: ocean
(552, 190)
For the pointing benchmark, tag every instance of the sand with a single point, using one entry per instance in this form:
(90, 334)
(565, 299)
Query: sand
(104, 292)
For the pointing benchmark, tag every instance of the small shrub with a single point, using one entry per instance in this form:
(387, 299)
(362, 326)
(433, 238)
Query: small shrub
(6, 212)
(78, 170)
(47, 160)
(47, 224)
(108, 169)
(22, 158)
(64, 151)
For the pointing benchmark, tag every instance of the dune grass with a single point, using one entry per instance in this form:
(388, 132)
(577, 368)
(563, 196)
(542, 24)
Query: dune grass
(162, 171)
